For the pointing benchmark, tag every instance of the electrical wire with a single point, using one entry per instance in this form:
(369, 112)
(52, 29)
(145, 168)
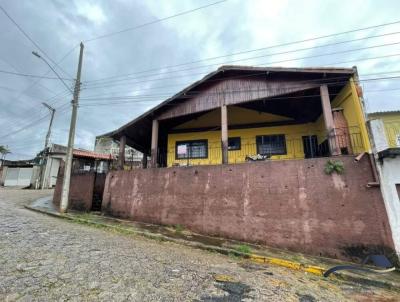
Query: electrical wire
(138, 99)
(30, 124)
(262, 64)
(270, 99)
(32, 41)
(153, 22)
(95, 96)
(264, 48)
(32, 75)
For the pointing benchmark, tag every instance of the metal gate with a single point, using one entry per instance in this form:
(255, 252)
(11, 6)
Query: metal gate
(18, 177)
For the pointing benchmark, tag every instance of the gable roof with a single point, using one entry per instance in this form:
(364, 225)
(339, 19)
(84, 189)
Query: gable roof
(140, 121)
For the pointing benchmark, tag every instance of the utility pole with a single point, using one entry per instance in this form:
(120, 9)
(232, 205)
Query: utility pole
(71, 137)
(46, 145)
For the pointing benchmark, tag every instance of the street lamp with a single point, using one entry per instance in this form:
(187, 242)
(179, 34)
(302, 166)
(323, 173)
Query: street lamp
(68, 158)
(36, 54)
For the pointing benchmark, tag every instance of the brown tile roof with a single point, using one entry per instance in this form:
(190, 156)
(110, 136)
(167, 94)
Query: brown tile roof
(91, 154)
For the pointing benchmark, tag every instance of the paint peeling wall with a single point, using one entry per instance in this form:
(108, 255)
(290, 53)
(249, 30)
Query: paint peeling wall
(289, 204)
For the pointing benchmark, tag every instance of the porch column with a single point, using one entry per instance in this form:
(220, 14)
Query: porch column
(144, 161)
(122, 143)
(224, 134)
(328, 118)
(154, 144)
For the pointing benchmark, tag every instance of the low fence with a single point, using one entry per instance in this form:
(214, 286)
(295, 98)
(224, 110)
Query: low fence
(289, 204)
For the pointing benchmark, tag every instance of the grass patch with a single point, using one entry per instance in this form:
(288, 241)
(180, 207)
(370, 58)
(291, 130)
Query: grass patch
(179, 228)
(243, 248)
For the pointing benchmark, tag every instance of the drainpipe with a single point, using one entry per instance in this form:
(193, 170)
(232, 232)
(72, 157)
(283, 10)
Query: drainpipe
(375, 182)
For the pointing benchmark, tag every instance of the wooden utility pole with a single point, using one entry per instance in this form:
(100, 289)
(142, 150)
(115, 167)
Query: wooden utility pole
(46, 145)
(70, 148)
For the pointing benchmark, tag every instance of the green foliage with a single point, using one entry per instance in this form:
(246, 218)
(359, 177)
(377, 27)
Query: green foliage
(334, 166)
(4, 150)
(179, 228)
(242, 248)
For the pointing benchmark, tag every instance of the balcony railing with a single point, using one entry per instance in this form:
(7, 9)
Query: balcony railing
(340, 141)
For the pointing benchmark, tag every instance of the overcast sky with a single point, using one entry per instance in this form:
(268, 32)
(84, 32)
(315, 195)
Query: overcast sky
(229, 27)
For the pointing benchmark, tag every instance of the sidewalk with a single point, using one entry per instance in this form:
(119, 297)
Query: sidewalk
(256, 253)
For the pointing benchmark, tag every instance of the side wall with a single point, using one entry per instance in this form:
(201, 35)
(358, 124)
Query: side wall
(389, 171)
(286, 204)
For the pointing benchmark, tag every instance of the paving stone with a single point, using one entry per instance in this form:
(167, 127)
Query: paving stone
(43, 258)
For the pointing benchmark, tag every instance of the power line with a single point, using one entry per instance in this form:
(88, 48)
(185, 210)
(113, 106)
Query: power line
(60, 95)
(153, 22)
(32, 41)
(34, 111)
(255, 50)
(32, 75)
(271, 99)
(32, 123)
(262, 64)
(95, 96)
(139, 99)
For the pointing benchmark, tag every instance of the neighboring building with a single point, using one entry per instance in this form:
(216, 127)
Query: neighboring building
(385, 129)
(244, 113)
(83, 160)
(107, 145)
(21, 173)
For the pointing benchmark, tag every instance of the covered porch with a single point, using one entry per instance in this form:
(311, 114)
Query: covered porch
(288, 114)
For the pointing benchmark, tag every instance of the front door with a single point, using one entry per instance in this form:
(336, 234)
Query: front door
(310, 146)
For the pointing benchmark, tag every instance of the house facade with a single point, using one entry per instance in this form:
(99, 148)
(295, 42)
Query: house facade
(239, 114)
(242, 153)
(385, 130)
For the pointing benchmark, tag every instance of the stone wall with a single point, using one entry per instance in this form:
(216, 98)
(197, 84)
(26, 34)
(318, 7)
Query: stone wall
(288, 204)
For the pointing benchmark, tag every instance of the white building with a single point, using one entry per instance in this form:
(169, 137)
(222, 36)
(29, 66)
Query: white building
(106, 145)
(385, 130)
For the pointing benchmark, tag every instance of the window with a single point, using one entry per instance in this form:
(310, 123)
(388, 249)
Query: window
(191, 149)
(234, 143)
(271, 144)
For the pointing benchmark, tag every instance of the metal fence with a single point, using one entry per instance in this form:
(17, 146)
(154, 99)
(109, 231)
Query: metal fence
(340, 141)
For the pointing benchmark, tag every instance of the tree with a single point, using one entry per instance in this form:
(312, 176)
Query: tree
(4, 151)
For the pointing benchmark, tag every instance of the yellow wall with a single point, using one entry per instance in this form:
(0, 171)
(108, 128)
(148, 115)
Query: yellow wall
(293, 135)
(391, 122)
(347, 99)
(352, 109)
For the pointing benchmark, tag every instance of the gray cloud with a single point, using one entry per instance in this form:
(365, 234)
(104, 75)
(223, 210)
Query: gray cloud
(58, 26)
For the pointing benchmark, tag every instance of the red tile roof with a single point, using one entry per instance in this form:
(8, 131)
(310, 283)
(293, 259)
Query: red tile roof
(91, 154)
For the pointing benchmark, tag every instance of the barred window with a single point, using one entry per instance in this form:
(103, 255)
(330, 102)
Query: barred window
(271, 144)
(234, 143)
(191, 149)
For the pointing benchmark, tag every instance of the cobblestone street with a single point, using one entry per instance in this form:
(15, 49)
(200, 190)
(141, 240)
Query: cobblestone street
(43, 258)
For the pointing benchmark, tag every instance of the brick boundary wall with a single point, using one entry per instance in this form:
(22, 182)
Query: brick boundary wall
(289, 204)
(81, 191)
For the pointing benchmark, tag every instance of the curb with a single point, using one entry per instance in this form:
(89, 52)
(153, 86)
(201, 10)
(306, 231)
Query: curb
(294, 265)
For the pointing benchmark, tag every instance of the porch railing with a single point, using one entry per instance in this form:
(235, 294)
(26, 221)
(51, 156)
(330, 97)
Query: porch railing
(341, 141)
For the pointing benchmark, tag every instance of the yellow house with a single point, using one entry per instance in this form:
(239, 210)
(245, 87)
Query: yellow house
(391, 126)
(237, 114)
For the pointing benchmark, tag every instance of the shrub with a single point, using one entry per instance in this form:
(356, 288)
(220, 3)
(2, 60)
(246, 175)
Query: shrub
(334, 166)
